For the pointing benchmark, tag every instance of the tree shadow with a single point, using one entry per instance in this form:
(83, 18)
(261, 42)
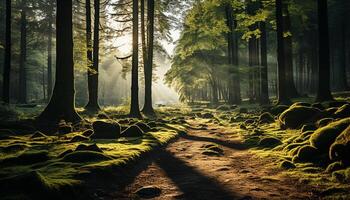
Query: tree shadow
(193, 183)
(231, 145)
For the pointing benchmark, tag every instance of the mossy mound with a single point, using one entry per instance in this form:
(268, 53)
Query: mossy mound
(342, 175)
(38, 134)
(27, 158)
(306, 154)
(79, 138)
(287, 165)
(132, 131)
(308, 127)
(335, 167)
(277, 110)
(324, 137)
(143, 126)
(207, 116)
(106, 130)
(92, 147)
(65, 128)
(224, 108)
(343, 111)
(296, 116)
(88, 132)
(266, 117)
(269, 142)
(340, 149)
(85, 156)
(324, 122)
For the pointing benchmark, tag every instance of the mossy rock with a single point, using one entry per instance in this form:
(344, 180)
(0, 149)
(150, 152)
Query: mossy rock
(277, 110)
(269, 142)
(340, 149)
(243, 127)
(342, 176)
(224, 108)
(88, 133)
(243, 110)
(79, 138)
(65, 128)
(337, 104)
(296, 116)
(27, 158)
(102, 116)
(306, 154)
(308, 127)
(85, 156)
(335, 167)
(143, 126)
(266, 117)
(38, 134)
(91, 147)
(152, 124)
(301, 104)
(324, 122)
(132, 131)
(287, 165)
(318, 105)
(249, 121)
(207, 115)
(105, 130)
(324, 137)
(343, 111)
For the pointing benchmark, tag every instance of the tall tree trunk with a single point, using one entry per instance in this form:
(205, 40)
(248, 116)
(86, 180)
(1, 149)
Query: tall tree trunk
(264, 87)
(61, 105)
(23, 56)
(7, 58)
(148, 107)
(281, 93)
(93, 70)
(134, 106)
(49, 54)
(290, 85)
(342, 57)
(323, 90)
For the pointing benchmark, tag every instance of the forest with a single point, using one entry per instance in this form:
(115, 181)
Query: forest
(171, 99)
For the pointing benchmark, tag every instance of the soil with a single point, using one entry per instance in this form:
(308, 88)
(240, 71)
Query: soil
(182, 171)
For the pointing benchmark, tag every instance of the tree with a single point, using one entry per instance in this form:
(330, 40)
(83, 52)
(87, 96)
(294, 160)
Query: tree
(61, 105)
(134, 106)
(7, 59)
(282, 93)
(264, 93)
(323, 90)
(148, 65)
(23, 55)
(49, 50)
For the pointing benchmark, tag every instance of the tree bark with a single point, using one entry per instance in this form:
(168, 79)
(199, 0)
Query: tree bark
(282, 95)
(49, 55)
(148, 106)
(342, 57)
(264, 88)
(93, 69)
(7, 58)
(134, 106)
(323, 90)
(23, 55)
(61, 105)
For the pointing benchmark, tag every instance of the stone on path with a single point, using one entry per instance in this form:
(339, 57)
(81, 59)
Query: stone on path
(148, 192)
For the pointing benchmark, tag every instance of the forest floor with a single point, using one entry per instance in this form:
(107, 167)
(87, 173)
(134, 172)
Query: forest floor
(299, 151)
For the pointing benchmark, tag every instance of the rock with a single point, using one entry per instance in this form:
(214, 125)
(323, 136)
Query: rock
(343, 111)
(102, 116)
(340, 149)
(132, 131)
(65, 153)
(223, 108)
(207, 116)
(266, 118)
(88, 132)
(336, 103)
(269, 142)
(79, 138)
(318, 105)
(335, 167)
(324, 137)
(92, 147)
(149, 192)
(243, 127)
(308, 127)
(144, 127)
(296, 116)
(324, 122)
(152, 124)
(287, 165)
(65, 128)
(277, 110)
(249, 121)
(38, 134)
(306, 153)
(106, 130)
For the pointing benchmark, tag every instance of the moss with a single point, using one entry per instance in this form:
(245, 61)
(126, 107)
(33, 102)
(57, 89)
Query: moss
(343, 111)
(106, 130)
(266, 117)
(38, 134)
(91, 147)
(224, 108)
(27, 158)
(143, 126)
(88, 132)
(306, 154)
(207, 115)
(269, 142)
(324, 137)
(132, 131)
(324, 122)
(340, 149)
(308, 127)
(296, 116)
(287, 165)
(342, 176)
(79, 138)
(85, 156)
(334, 167)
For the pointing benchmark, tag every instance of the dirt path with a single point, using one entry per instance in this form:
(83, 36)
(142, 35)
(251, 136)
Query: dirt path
(181, 171)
